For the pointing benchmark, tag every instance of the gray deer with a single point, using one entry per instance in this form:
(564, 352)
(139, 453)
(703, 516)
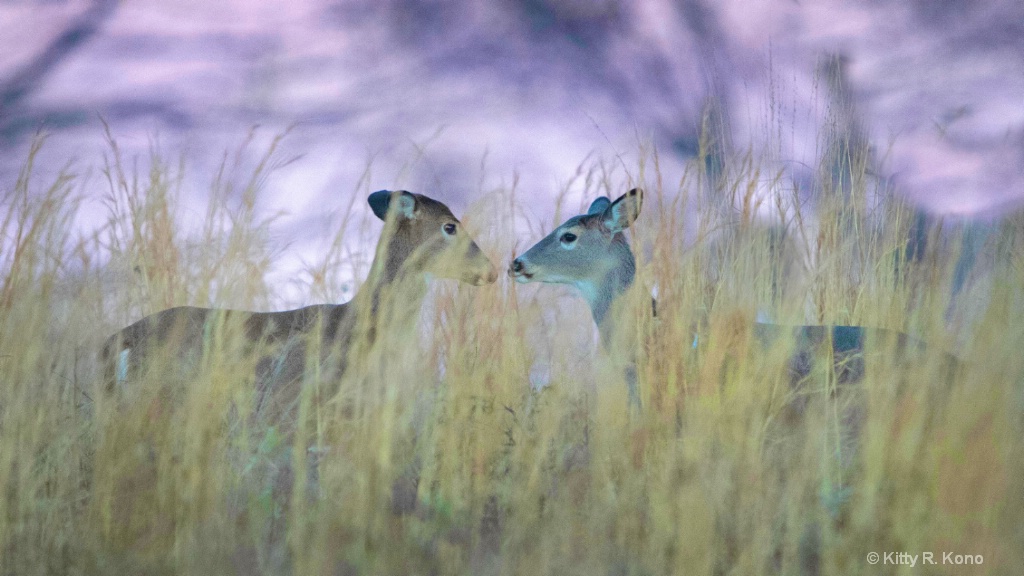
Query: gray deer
(591, 253)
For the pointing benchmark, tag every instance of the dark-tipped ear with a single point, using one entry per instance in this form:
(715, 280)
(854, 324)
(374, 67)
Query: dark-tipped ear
(380, 201)
(621, 214)
(598, 206)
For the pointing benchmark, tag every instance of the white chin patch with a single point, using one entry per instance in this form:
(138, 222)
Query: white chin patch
(523, 279)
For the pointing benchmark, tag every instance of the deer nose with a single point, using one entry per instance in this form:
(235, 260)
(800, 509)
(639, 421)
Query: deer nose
(516, 267)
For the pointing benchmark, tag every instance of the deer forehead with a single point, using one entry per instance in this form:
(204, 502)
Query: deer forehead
(580, 223)
(429, 219)
(587, 224)
(433, 209)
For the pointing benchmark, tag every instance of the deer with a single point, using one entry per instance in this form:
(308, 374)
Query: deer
(590, 252)
(421, 239)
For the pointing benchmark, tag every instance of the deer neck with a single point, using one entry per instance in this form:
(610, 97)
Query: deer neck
(608, 294)
(396, 286)
(604, 290)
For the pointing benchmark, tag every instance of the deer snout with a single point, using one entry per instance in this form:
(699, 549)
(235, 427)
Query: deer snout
(490, 277)
(518, 271)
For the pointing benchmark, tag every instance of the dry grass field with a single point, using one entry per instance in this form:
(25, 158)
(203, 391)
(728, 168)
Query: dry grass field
(490, 442)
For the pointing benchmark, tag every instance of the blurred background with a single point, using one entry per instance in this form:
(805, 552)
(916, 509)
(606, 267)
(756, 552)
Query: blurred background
(455, 98)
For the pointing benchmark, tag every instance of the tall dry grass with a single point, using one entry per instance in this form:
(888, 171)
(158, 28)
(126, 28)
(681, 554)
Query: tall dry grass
(489, 444)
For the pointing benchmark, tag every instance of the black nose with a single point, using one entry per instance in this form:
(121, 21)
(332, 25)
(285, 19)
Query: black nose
(517, 266)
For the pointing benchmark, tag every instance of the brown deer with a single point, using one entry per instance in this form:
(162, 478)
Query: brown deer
(421, 238)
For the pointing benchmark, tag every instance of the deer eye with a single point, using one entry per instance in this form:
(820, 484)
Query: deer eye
(449, 229)
(567, 238)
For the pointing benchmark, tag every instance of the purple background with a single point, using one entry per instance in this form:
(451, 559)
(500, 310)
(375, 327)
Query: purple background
(457, 97)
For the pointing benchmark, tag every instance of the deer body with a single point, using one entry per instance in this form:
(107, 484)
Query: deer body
(421, 237)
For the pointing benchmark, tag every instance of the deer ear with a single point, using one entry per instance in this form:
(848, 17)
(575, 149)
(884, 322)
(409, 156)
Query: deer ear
(621, 214)
(380, 202)
(599, 206)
